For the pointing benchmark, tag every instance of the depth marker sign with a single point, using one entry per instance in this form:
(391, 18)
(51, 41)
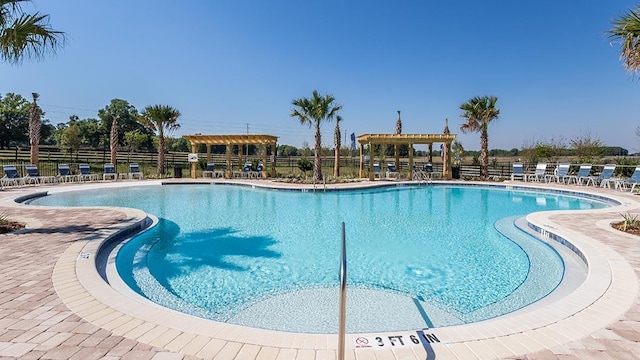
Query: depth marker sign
(420, 338)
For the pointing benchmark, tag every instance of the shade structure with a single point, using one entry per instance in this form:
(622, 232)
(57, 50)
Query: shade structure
(229, 141)
(406, 139)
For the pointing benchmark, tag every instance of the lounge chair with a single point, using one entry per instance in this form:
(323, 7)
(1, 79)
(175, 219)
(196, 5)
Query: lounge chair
(85, 173)
(11, 176)
(134, 171)
(210, 170)
(428, 170)
(604, 178)
(259, 170)
(561, 174)
(632, 181)
(247, 171)
(64, 174)
(391, 171)
(109, 172)
(540, 173)
(518, 172)
(33, 176)
(583, 174)
(376, 170)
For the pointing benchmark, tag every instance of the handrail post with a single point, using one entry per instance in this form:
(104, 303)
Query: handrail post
(343, 296)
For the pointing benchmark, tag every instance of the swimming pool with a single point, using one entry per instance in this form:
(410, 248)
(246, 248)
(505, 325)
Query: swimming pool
(417, 256)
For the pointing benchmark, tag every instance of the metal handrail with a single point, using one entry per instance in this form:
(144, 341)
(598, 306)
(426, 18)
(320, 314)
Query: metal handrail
(343, 296)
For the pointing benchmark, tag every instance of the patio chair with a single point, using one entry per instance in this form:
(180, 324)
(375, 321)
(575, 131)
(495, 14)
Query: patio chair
(518, 172)
(604, 178)
(539, 174)
(391, 171)
(85, 173)
(561, 173)
(33, 176)
(134, 171)
(428, 170)
(64, 174)
(259, 170)
(632, 181)
(583, 174)
(247, 171)
(376, 170)
(109, 172)
(210, 170)
(11, 176)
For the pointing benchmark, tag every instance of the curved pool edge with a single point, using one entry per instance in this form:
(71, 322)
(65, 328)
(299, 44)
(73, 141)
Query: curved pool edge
(609, 291)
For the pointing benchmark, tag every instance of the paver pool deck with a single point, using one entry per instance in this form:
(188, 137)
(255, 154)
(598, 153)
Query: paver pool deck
(55, 305)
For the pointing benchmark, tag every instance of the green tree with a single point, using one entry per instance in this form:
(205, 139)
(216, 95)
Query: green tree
(336, 144)
(134, 140)
(70, 139)
(479, 113)
(586, 147)
(117, 118)
(626, 31)
(160, 118)
(92, 132)
(313, 112)
(182, 145)
(24, 35)
(14, 120)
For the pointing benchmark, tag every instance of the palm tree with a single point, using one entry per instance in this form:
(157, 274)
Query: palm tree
(336, 143)
(159, 118)
(35, 123)
(479, 112)
(396, 149)
(113, 141)
(24, 35)
(626, 29)
(312, 112)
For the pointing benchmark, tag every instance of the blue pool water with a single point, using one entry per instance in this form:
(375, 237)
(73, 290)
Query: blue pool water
(271, 258)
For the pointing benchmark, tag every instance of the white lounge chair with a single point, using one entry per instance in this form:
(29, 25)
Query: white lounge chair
(539, 174)
(518, 172)
(109, 172)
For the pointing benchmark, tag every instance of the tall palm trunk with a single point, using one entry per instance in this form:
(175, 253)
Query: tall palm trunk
(396, 149)
(113, 141)
(337, 143)
(35, 123)
(317, 164)
(160, 167)
(484, 154)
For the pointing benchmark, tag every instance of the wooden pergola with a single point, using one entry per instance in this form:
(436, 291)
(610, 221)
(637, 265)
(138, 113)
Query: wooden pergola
(229, 141)
(406, 139)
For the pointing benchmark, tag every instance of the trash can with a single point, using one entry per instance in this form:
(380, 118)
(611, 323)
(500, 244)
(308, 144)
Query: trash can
(455, 172)
(177, 171)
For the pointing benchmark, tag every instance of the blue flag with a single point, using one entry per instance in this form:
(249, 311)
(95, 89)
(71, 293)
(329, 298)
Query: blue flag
(353, 141)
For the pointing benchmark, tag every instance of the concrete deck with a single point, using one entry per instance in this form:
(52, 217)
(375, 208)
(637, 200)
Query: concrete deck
(54, 305)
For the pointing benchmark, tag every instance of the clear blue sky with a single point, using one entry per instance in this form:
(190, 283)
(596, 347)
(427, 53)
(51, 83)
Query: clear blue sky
(224, 64)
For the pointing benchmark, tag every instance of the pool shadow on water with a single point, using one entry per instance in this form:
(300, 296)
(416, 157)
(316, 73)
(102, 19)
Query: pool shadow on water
(218, 248)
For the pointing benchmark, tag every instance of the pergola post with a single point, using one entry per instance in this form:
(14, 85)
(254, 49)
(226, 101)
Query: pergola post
(274, 153)
(371, 174)
(208, 153)
(228, 154)
(410, 162)
(446, 167)
(263, 173)
(194, 148)
(240, 162)
(431, 153)
(361, 170)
